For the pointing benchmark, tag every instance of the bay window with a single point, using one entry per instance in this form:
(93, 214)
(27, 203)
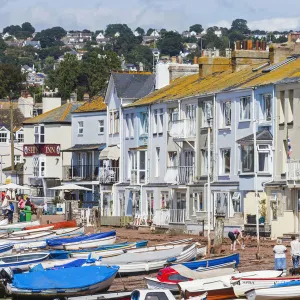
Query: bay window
(138, 166)
(245, 104)
(247, 158)
(39, 133)
(263, 158)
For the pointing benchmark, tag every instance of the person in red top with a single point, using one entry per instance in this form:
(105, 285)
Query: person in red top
(3, 196)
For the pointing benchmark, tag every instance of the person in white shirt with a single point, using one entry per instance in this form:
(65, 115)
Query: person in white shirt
(295, 251)
(280, 257)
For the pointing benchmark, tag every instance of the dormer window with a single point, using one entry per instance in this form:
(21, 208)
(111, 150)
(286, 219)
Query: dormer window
(3, 135)
(20, 136)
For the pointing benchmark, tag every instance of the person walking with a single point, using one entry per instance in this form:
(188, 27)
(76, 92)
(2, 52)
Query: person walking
(295, 251)
(280, 256)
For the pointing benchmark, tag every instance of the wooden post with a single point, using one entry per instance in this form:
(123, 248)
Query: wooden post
(219, 233)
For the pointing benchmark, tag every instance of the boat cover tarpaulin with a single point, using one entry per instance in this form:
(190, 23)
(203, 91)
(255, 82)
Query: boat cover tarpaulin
(96, 236)
(70, 278)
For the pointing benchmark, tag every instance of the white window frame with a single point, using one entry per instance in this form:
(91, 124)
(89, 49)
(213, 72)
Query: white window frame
(127, 126)
(248, 151)
(39, 166)
(20, 136)
(101, 126)
(265, 98)
(204, 162)
(131, 131)
(223, 113)
(236, 201)
(242, 109)
(160, 121)
(157, 161)
(173, 116)
(150, 204)
(155, 121)
(135, 160)
(144, 124)
(207, 113)
(5, 138)
(17, 159)
(197, 199)
(262, 150)
(172, 159)
(80, 127)
(39, 134)
(164, 200)
(114, 122)
(222, 161)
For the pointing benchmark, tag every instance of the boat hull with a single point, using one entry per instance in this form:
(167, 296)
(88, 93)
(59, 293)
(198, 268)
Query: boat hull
(226, 293)
(90, 244)
(291, 292)
(58, 225)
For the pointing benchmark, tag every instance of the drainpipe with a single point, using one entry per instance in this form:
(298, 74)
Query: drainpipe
(255, 170)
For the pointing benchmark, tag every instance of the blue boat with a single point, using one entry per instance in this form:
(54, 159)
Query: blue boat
(106, 237)
(64, 282)
(204, 263)
(6, 249)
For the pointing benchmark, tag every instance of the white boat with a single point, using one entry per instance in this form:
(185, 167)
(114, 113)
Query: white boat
(201, 251)
(142, 261)
(27, 232)
(90, 243)
(18, 226)
(222, 282)
(287, 292)
(184, 272)
(41, 243)
(104, 296)
(243, 285)
(38, 236)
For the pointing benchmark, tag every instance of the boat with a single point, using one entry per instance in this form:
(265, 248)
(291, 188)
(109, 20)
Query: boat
(222, 286)
(41, 242)
(25, 232)
(62, 282)
(38, 236)
(18, 226)
(22, 261)
(6, 249)
(104, 296)
(287, 290)
(58, 225)
(85, 241)
(244, 284)
(169, 277)
(193, 265)
(140, 260)
(201, 251)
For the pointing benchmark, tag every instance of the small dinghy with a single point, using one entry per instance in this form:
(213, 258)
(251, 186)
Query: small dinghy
(141, 260)
(6, 249)
(57, 225)
(18, 226)
(83, 242)
(22, 261)
(61, 282)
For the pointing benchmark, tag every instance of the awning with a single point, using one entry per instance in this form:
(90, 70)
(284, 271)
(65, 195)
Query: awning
(85, 147)
(112, 153)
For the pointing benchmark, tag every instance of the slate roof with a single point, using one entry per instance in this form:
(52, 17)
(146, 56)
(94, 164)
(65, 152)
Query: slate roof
(261, 135)
(5, 118)
(96, 104)
(133, 85)
(61, 114)
(85, 147)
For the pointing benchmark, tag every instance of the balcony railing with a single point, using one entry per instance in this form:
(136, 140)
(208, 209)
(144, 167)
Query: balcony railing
(109, 175)
(81, 172)
(293, 170)
(177, 216)
(180, 175)
(183, 129)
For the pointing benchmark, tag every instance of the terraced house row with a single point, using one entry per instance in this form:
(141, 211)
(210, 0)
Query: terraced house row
(148, 152)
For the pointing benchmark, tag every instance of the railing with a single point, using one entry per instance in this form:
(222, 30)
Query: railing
(81, 172)
(183, 128)
(161, 217)
(177, 216)
(109, 175)
(186, 174)
(293, 170)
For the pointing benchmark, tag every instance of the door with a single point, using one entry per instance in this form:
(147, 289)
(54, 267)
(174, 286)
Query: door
(221, 203)
(150, 205)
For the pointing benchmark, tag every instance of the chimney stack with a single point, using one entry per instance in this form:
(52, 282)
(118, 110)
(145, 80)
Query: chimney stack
(86, 97)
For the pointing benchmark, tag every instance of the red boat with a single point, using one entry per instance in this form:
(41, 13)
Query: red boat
(58, 225)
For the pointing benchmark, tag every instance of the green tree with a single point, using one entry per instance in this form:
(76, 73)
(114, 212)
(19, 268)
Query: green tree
(112, 29)
(50, 37)
(48, 64)
(170, 43)
(236, 36)
(54, 51)
(95, 70)
(240, 25)
(141, 54)
(28, 28)
(11, 80)
(197, 28)
(141, 31)
(65, 77)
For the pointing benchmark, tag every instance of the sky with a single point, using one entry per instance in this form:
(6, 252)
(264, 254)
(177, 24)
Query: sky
(178, 15)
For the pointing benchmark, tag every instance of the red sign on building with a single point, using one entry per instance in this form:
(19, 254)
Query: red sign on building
(47, 149)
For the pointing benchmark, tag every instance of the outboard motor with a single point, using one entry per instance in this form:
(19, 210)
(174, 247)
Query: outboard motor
(6, 274)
